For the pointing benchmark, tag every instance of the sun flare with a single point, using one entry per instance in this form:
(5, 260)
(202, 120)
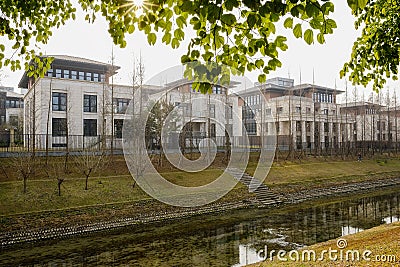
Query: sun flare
(138, 3)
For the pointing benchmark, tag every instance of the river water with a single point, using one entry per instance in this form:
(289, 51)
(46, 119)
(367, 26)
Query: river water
(230, 239)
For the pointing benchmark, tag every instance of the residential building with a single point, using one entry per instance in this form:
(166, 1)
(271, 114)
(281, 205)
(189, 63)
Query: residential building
(76, 104)
(304, 116)
(200, 116)
(375, 125)
(11, 116)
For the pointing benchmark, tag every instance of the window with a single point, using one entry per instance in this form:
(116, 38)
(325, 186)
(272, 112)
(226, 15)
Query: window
(81, 75)
(279, 110)
(90, 103)
(298, 109)
(248, 114)
(2, 119)
(277, 127)
(66, 74)
(326, 127)
(326, 111)
(268, 111)
(316, 127)
(308, 110)
(118, 125)
(217, 90)
(212, 110)
(251, 127)
(213, 131)
(90, 127)
(121, 104)
(298, 126)
(49, 73)
(298, 142)
(59, 101)
(308, 140)
(74, 74)
(58, 73)
(229, 112)
(308, 126)
(59, 127)
(102, 78)
(96, 77)
(88, 76)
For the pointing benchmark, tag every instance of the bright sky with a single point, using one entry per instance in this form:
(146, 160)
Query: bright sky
(78, 38)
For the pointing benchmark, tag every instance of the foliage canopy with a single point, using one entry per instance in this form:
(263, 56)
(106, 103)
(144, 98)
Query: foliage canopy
(238, 33)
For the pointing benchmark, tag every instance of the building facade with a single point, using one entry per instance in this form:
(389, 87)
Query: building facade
(198, 116)
(304, 116)
(75, 105)
(11, 116)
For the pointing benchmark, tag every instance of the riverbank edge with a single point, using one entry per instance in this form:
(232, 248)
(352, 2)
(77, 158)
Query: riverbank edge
(13, 238)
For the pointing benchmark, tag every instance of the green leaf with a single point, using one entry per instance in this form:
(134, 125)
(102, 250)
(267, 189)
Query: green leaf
(288, 23)
(179, 34)
(297, 31)
(175, 43)
(362, 3)
(151, 38)
(228, 19)
(262, 78)
(251, 20)
(309, 36)
(321, 38)
(166, 38)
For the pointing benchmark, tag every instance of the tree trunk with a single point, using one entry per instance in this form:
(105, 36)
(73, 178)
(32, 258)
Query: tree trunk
(86, 182)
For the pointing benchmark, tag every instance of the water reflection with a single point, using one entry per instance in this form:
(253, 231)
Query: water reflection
(234, 239)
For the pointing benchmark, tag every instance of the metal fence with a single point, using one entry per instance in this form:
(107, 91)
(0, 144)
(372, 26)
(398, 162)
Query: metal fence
(59, 145)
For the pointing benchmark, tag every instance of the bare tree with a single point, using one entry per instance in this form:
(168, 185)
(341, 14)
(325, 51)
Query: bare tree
(395, 119)
(24, 163)
(155, 124)
(89, 160)
(55, 171)
(48, 120)
(389, 124)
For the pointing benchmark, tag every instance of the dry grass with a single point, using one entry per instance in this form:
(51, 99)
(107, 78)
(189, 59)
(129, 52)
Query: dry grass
(383, 240)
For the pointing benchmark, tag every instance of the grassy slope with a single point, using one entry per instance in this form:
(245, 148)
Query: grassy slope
(111, 194)
(381, 240)
(314, 173)
(42, 192)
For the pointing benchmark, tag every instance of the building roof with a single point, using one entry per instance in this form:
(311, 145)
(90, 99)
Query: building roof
(309, 86)
(14, 94)
(352, 104)
(184, 81)
(78, 62)
(272, 86)
(79, 59)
